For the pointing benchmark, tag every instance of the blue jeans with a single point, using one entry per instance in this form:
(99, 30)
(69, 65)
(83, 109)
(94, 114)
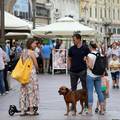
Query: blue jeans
(91, 83)
(2, 85)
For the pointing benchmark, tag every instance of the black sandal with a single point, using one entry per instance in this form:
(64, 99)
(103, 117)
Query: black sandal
(32, 113)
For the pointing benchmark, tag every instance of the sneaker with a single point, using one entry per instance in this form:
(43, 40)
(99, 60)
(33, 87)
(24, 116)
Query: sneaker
(86, 110)
(96, 110)
(7, 92)
(3, 94)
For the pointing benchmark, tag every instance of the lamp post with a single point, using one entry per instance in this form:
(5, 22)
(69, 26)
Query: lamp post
(106, 35)
(33, 14)
(2, 36)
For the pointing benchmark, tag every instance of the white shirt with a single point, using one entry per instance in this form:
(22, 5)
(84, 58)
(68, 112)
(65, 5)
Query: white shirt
(115, 52)
(93, 58)
(37, 50)
(2, 64)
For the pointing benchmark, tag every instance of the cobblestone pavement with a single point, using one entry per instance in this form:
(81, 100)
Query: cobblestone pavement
(52, 105)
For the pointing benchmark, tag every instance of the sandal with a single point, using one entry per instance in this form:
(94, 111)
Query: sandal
(23, 114)
(32, 113)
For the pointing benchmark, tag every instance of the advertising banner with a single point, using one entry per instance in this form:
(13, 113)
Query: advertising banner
(59, 59)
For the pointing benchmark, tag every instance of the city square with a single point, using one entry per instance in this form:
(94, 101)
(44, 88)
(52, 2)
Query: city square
(59, 59)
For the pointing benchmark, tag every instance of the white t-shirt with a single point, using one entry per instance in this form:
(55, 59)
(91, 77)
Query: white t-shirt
(2, 64)
(115, 52)
(37, 50)
(93, 58)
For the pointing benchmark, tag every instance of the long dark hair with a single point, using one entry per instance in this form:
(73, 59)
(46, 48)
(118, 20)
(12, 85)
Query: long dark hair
(29, 42)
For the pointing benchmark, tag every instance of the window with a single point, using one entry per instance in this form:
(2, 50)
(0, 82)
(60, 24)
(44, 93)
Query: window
(90, 12)
(26, 15)
(95, 12)
(20, 14)
(100, 12)
(109, 30)
(118, 31)
(114, 30)
(41, 11)
(16, 13)
(118, 14)
(114, 14)
(109, 13)
(105, 12)
(101, 30)
(95, 27)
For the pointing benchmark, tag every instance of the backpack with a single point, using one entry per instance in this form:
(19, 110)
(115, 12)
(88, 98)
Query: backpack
(100, 64)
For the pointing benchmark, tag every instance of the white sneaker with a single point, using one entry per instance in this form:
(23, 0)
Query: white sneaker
(7, 92)
(3, 94)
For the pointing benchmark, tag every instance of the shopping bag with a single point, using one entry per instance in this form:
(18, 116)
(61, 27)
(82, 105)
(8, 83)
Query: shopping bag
(22, 71)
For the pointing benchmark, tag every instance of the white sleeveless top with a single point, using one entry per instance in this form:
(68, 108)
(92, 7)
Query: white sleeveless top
(2, 64)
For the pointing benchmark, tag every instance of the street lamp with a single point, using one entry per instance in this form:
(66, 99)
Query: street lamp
(107, 36)
(2, 36)
(33, 14)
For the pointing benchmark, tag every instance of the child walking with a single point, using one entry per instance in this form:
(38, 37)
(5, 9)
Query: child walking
(114, 66)
(105, 91)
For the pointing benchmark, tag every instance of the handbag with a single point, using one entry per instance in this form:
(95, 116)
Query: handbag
(22, 71)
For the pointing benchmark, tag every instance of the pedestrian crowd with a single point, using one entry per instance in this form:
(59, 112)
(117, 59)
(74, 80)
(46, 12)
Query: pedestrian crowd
(81, 62)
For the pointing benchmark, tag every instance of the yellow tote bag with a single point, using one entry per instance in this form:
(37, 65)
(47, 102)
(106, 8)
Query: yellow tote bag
(22, 71)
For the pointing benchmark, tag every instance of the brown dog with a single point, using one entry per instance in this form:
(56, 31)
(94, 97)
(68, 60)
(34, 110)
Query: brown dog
(72, 97)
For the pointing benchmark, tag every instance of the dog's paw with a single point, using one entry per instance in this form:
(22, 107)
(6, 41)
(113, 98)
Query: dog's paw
(66, 114)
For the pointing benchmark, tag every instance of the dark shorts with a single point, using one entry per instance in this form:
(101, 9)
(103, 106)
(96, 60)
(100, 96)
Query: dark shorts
(115, 75)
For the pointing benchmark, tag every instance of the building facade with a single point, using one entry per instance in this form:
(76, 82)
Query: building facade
(24, 10)
(21, 9)
(42, 15)
(62, 8)
(103, 15)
